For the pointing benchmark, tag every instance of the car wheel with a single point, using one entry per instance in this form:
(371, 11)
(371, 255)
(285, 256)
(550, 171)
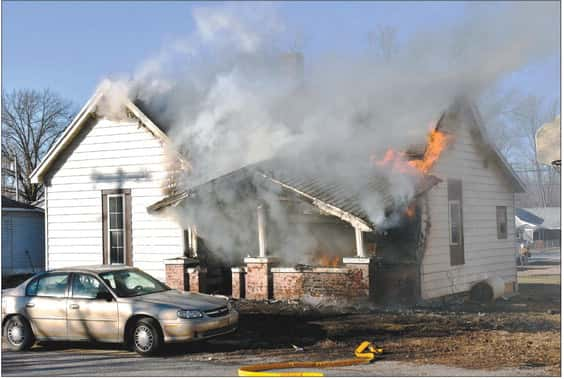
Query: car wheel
(146, 337)
(18, 334)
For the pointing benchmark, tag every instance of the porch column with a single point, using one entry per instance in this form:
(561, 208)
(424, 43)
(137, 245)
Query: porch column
(193, 240)
(184, 274)
(359, 243)
(261, 230)
(258, 278)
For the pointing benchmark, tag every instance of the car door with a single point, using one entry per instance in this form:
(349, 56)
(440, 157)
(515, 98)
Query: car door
(92, 310)
(46, 305)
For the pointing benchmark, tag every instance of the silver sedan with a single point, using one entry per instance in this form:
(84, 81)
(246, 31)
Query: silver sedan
(110, 304)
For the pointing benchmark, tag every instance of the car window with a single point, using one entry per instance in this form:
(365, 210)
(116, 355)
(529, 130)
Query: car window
(87, 287)
(127, 283)
(54, 285)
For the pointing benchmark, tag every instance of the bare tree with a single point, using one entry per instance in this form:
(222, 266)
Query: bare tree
(31, 122)
(512, 121)
(542, 180)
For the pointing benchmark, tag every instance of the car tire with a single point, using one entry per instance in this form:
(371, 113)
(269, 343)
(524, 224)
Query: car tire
(18, 334)
(146, 337)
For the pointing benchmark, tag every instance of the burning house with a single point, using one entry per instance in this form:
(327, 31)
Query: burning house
(427, 221)
(433, 242)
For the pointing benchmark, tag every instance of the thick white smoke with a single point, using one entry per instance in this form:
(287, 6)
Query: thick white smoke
(232, 97)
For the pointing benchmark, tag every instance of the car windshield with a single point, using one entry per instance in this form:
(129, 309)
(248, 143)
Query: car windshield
(129, 283)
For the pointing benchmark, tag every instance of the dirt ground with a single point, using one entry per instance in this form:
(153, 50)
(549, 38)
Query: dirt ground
(519, 332)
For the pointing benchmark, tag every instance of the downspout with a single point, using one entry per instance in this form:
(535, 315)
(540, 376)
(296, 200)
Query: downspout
(46, 223)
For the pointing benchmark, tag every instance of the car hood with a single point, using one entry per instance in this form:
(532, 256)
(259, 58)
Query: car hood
(185, 300)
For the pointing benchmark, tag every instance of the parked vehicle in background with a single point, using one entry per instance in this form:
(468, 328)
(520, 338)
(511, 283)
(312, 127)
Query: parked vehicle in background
(110, 303)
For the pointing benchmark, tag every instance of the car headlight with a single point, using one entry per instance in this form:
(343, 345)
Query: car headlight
(189, 314)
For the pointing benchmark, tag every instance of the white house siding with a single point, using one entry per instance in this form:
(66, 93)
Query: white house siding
(23, 241)
(482, 190)
(93, 164)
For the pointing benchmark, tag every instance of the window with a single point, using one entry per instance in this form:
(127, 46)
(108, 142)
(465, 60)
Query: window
(87, 287)
(116, 229)
(501, 217)
(455, 222)
(116, 224)
(51, 285)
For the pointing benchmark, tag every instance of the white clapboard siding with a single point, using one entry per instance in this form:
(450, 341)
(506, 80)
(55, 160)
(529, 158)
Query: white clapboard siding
(111, 155)
(484, 186)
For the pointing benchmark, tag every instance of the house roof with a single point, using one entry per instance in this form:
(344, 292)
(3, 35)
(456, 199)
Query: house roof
(9, 204)
(72, 130)
(147, 118)
(321, 190)
(156, 117)
(549, 215)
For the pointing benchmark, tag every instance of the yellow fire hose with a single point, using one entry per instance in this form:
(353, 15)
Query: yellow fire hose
(364, 353)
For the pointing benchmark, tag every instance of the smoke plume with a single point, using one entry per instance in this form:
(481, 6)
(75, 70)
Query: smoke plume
(231, 97)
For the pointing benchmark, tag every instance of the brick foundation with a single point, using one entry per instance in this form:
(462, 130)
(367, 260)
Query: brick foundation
(346, 283)
(175, 274)
(238, 282)
(364, 283)
(181, 274)
(196, 279)
(288, 285)
(258, 279)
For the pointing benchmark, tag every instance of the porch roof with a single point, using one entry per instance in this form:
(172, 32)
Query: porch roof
(322, 191)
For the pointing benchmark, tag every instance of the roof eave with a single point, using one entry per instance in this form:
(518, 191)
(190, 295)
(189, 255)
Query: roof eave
(73, 128)
(355, 221)
(68, 134)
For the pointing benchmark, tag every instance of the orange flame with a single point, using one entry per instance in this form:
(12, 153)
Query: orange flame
(410, 211)
(398, 161)
(436, 143)
(328, 261)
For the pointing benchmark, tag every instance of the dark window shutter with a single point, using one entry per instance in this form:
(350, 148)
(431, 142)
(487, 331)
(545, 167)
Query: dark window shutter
(454, 188)
(501, 218)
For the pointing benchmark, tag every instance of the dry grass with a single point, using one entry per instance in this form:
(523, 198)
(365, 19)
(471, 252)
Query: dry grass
(483, 350)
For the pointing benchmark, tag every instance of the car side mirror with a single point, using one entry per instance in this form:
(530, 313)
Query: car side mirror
(104, 296)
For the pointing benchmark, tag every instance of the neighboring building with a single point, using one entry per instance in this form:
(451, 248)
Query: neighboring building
(108, 195)
(8, 176)
(541, 227)
(23, 229)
